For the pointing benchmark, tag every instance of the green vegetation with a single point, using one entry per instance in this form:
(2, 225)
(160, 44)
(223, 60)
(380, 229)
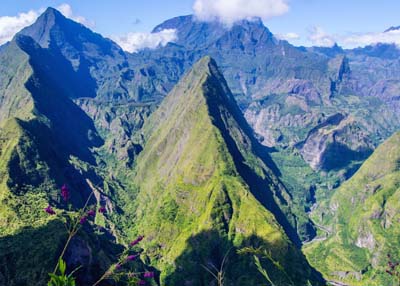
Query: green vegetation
(190, 176)
(192, 204)
(362, 216)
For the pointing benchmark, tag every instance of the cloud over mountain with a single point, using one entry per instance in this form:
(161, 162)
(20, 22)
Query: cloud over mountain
(66, 10)
(230, 11)
(364, 39)
(133, 42)
(318, 37)
(10, 25)
(288, 36)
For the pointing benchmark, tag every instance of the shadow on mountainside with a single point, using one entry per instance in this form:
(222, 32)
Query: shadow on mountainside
(27, 256)
(60, 131)
(209, 248)
(260, 187)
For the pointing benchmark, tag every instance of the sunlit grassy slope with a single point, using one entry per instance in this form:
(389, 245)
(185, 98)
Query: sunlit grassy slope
(364, 217)
(197, 192)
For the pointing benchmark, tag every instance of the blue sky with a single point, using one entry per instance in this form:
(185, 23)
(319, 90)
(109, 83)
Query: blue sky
(304, 22)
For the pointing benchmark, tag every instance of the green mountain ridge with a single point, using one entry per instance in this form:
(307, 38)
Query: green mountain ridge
(201, 171)
(211, 191)
(45, 141)
(362, 217)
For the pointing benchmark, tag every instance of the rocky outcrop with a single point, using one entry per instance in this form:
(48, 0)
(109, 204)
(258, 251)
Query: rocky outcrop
(120, 123)
(336, 135)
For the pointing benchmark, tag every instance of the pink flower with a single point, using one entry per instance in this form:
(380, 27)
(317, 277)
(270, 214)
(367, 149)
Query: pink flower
(137, 240)
(148, 275)
(102, 210)
(49, 210)
(131, 257)
(141, 282)
(91, 213)
(83, 220)
(65, 192)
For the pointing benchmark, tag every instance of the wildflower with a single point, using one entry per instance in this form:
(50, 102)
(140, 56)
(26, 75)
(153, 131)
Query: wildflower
(65, 192)
(141, 282)
(118, 266)
(83, 220)
(102, 210)
(49, 210)
(137, 240)
(91, 213)
(131, 257)
(148, 275)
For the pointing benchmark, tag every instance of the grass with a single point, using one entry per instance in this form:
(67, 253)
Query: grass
(184, 192)
(365, 206)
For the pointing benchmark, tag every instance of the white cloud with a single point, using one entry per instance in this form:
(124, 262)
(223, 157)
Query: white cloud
(360, 40)
(66, 10)
(10, 25)
(288, 36)
(230, 11)
(318, 37)
(133, 42)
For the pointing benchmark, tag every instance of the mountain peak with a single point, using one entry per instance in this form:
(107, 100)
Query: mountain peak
(205, 75)
(40, 30)
(193, 33)
(206, 63)
(221, 173)
(52, 11)
(393, 28)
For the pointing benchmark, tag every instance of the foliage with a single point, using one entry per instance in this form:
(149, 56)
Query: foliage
(62, 279)
(361, 218)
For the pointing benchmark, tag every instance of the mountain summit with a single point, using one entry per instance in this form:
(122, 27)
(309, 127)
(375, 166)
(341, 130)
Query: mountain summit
(202, 190)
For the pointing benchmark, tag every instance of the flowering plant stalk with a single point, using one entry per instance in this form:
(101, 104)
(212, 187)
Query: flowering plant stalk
(74, 222)
(73, 228)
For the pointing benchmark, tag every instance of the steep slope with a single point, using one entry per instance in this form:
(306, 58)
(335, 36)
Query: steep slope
(286, 91)
(307, 104)
(96, 74)
(362, 217)
(202, 192)
(46, 140)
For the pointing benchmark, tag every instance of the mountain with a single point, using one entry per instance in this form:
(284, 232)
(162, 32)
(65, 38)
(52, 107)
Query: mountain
(285, 91)
(195, 205)
(362, 219)
(201, 171)
(46, 140)
(308, 105)
(380, 50)
(393, 28)
(63, 122)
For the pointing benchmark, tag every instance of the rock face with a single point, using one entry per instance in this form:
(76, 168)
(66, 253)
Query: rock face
(120, 124)
(361, 213)
(336, 135)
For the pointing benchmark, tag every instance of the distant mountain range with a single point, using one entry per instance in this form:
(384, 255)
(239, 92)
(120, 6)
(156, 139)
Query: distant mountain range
(224, 139)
